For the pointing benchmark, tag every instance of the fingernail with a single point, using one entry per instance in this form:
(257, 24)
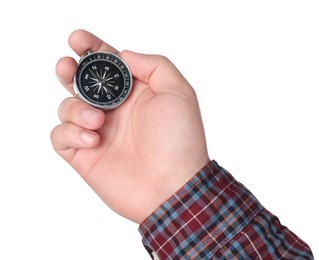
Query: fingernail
(90, 115)
(88, 138)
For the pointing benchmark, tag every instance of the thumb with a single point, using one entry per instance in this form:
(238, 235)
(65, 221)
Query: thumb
(155, 70)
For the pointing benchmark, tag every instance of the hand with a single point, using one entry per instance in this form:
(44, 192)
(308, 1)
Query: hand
(139, 154)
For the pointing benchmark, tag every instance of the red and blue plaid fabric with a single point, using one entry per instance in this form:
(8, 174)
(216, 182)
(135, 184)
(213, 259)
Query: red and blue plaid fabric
(215, 217)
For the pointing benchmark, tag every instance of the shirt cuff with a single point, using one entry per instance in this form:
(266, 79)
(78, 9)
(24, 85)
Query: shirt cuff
(200, 218)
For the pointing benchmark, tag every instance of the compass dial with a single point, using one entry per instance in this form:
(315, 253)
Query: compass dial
(103, 80)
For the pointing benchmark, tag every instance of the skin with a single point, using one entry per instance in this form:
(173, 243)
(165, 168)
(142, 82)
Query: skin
(138, 155)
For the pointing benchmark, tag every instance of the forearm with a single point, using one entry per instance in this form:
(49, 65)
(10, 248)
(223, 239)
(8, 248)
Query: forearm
(214, 215)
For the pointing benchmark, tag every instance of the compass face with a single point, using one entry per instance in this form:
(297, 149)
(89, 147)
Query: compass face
(103, 80)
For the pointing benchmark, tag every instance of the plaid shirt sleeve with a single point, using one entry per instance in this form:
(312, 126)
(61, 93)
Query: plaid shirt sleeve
(215, 217)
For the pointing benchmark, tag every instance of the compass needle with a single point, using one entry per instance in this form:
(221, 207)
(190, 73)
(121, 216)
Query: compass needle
(108, 79)
(110, 91)
(104, 74)
(94, 84)
(95, 79)
(105, 89)
(98, 75)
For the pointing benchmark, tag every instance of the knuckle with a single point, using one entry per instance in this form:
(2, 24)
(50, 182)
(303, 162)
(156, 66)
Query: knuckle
(162, 58)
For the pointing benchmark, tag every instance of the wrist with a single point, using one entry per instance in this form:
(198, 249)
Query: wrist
(168, 185)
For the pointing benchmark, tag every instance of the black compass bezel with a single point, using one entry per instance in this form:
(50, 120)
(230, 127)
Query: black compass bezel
(116, 66)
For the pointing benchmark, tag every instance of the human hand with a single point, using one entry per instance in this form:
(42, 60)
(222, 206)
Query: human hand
(139, 154)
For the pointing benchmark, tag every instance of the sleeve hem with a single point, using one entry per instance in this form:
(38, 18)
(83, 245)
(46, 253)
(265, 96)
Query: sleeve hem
(205, 214)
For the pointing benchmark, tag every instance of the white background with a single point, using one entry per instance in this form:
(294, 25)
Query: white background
(254, 66)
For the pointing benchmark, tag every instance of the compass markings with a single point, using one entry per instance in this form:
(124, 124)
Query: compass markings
(106, 80)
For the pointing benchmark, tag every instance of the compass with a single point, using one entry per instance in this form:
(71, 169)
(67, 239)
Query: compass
(103, 80)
